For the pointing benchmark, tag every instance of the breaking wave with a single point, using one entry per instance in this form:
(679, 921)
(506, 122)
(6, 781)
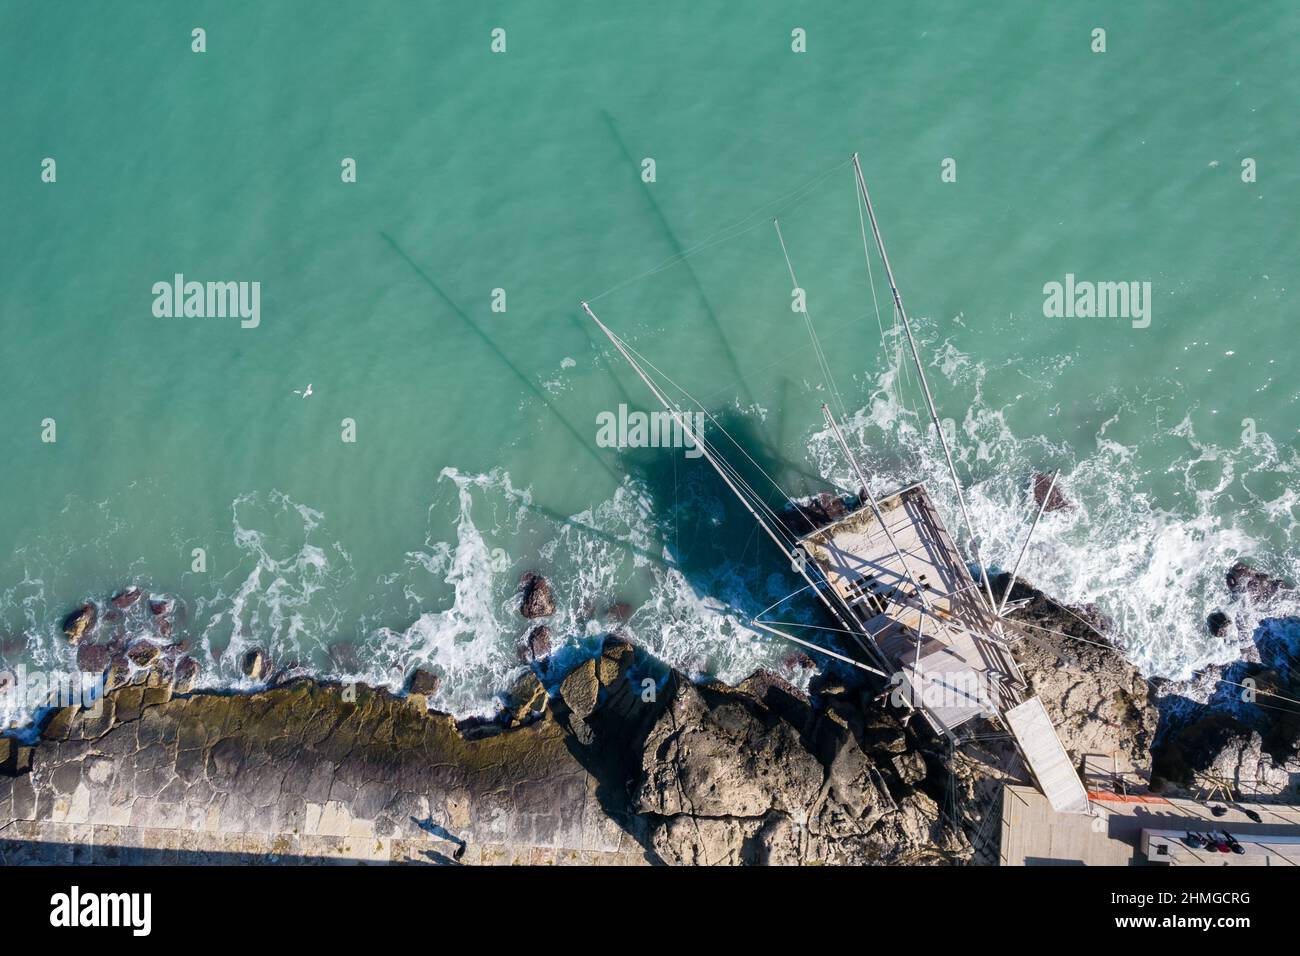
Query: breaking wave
(451, 605)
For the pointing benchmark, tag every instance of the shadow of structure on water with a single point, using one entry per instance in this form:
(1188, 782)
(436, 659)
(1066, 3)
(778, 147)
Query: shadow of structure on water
(710, 535)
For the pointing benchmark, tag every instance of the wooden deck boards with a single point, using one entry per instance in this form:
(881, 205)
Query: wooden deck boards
(1120, 831)
(962, 672)
(1046, 757)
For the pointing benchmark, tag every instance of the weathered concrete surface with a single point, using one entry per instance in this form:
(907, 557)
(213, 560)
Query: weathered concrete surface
(299, 771)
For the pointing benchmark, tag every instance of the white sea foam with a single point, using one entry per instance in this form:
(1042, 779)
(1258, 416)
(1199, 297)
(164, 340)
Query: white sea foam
(1156, 571)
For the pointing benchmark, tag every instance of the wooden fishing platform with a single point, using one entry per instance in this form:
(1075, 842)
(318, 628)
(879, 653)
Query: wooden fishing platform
(890, 574)
(946, 642)
(900, 582)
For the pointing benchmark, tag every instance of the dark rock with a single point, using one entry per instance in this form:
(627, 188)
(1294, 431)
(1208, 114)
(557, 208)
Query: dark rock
(80, 622)
(581, 730)
(1257, 585)
(537, 644)
(538, 600)
(253, 664)
(93, 658)
(185, 675)
(161, 606)
(800, 660)
(1058, 501)
(581, 688)
(423, 682)
(817, 512)
(143, 653)
(124, 599)
(779, 696)
(1219, 624)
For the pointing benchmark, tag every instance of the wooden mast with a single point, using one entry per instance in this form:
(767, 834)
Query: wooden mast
(1011, 583)
(925, 387)
(798, 556)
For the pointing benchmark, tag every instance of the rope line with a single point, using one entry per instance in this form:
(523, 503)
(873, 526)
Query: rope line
(812, 330)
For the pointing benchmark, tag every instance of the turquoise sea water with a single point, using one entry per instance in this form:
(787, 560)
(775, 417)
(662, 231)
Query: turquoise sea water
(476, 455)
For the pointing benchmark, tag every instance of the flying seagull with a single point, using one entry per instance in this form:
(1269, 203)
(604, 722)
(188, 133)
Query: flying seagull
(305, 393)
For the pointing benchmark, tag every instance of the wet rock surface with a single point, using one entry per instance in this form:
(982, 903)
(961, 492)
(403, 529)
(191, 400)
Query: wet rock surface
(618, 766)
(78, 625)
(617, 760)
(536, 597)
(1045, 491)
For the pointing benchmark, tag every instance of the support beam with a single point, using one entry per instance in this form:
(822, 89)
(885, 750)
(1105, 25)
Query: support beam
(925, 386)
(1025, 547)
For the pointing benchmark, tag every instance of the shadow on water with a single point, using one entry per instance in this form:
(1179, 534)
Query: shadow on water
(528, 383)
(710, 534)
(678, 250)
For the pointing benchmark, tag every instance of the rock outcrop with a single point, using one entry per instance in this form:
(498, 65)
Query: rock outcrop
(1098, 701)
(619, 756)
(620, 764)
(78, 625)
(1045, 491)
(537, 599)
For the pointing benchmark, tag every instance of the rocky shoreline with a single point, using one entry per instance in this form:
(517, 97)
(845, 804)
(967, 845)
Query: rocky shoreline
(621, 760)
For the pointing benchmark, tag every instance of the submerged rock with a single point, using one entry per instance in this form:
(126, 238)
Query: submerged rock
(1057, 501)
(423, 682)
(1244, 580)
(538, 600)
(127, 597)
(143, 653)
(80, 622)
(93, 658)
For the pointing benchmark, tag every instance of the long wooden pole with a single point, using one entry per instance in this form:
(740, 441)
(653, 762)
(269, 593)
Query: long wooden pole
(1025, 547)
(920, 371)
(798, 557)
(816, 647)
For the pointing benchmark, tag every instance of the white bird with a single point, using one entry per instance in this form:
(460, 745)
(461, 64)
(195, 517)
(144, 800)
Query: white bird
(305, 393)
